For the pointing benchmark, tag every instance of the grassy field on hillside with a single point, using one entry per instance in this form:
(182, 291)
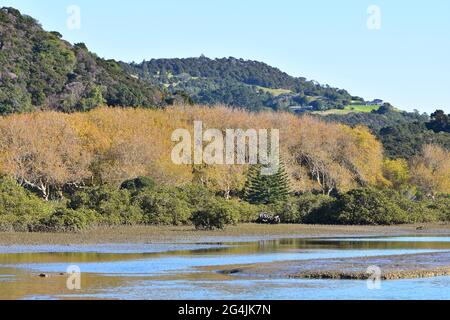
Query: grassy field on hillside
(349, 109)
(274, 92)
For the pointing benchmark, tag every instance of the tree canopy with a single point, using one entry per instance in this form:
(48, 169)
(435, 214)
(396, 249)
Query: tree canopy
(38, 70)
(236, 82)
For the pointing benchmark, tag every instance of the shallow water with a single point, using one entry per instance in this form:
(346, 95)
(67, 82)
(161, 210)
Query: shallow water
(171, 271)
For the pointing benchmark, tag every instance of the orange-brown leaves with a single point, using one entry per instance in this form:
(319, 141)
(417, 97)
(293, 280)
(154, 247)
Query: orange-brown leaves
(109, 145)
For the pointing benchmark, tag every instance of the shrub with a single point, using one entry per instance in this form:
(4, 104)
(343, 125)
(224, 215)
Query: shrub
(247, 212)
(68, 220)
(413, 211)
(439, 208)
(138, 184)
(19, 209)
(163, 206)
(215, 215)
(289, 211)
(304, 208)
(197, 195)
(366, 207)
(115, 207)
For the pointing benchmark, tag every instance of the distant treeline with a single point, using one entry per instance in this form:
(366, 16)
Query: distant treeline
(39, 70)
(248, 84)
(403, 134)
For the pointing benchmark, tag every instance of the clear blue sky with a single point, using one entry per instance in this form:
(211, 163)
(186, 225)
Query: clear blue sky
(406, 62)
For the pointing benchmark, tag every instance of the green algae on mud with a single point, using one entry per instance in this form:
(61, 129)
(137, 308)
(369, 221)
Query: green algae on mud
(242, 232)
(405, 266)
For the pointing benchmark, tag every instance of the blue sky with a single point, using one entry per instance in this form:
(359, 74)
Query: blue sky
(405, 62)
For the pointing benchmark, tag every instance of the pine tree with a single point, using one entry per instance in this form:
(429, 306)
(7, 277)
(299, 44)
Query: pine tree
(266, 189)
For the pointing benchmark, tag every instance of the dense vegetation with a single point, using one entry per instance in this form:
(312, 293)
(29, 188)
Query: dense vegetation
(39, 70)
(403, 134)
(68, 172)
(72, 170)
(251, 85)
(377, 120)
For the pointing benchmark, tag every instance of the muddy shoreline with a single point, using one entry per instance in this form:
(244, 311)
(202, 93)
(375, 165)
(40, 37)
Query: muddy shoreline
(240, 233)
(407, 266)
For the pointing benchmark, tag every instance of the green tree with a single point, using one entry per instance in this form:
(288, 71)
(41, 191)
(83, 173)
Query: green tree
(266, 189)
(13, 98)
(163, 206)
(93, 100)
(216, 214)
(439, 122)
(138, 184)
(367, 207)
(20, 210)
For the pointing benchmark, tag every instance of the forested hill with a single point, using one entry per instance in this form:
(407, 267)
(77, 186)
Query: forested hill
(39, 70)
(250, 84)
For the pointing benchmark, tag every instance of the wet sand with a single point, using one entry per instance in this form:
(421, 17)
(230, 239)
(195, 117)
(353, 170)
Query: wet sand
(188, 234)
(407, 266)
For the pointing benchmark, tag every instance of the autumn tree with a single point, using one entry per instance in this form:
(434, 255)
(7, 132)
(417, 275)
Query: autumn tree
(397, 173)
(336, 157)
(50, 152)
(43, 152)
(431, 171)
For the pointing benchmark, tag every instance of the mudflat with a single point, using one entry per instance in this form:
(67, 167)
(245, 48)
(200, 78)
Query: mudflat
(188, 234)
(406, 266)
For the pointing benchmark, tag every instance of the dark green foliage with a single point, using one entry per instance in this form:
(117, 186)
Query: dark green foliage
(163, 206)
(247, 212)
(386, 108)
(266, 189)
(19, 209)
(406, 140)
(374, 207)
(367, 207)
(68, 220)
(196, 195)
(236, 82)
(14, 98)
(37, 69)
(439, 208)
(304, 208)
(115, 207)
(215, 215)
(376, 121)
(138, 184)
(403, 134)
(440, 122)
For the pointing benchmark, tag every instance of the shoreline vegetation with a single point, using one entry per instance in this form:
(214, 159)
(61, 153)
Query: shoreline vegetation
(86, 143)
(239, 233)
(113, 167)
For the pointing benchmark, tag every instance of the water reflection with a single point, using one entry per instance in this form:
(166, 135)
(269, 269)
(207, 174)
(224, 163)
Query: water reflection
(170, 271)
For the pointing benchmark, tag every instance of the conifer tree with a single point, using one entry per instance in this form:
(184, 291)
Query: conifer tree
(266, 189)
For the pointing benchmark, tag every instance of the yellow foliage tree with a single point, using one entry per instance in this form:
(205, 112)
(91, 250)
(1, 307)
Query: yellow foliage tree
(49, 151)
(431, 171)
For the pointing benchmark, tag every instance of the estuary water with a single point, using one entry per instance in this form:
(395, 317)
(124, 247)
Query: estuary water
(190, 270)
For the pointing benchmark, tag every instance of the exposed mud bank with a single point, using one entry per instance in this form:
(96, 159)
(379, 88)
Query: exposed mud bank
(392, 267)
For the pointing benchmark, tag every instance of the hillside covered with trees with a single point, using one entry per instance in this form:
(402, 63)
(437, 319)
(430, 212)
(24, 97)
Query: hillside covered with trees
(39, 70)
(68, 162)
(403, 134)
(252, 85)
